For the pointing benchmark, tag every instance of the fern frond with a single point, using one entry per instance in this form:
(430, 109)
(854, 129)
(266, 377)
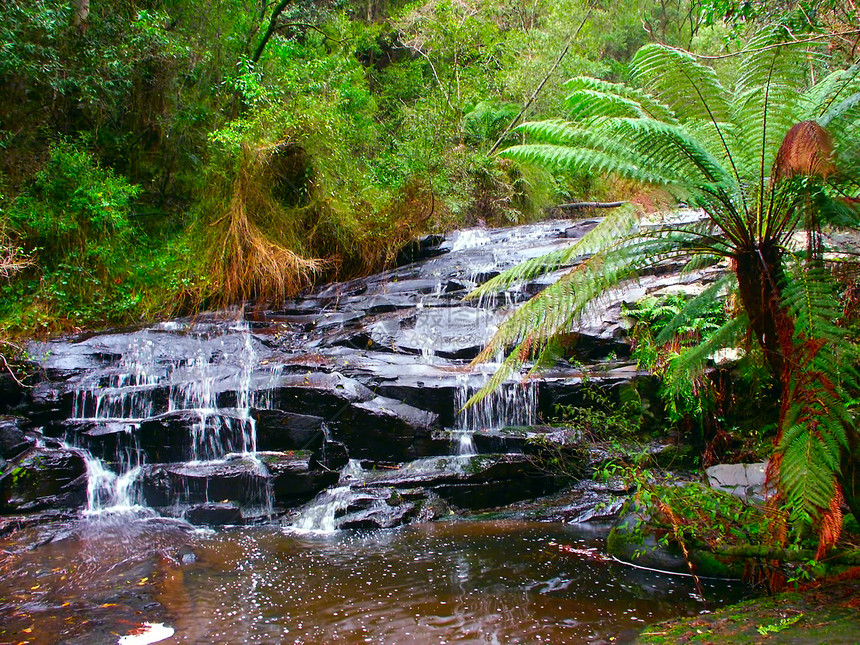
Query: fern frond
(535, 322)
(504, 372)
(836, 211)
(533, 329)
(694, 308)
(690, 89)
(807, 474)
(823, 364)
(810, 299)
(690, 364)
(844, 108)
(824, 100)
(771, 58)
(646, 103)
(558, 307)
(670, 148)
(557, 132)
(587, 104)
(573, 159)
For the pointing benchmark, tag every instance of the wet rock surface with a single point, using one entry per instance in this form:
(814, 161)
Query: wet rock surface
(43, 478)
(374, 369)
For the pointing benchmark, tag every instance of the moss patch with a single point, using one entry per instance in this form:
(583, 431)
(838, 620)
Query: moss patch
(829, 613)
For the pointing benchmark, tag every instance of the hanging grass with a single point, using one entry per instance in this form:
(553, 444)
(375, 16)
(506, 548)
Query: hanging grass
(254, 250)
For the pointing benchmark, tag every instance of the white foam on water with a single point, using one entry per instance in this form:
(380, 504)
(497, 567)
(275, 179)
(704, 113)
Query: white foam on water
(146, 634)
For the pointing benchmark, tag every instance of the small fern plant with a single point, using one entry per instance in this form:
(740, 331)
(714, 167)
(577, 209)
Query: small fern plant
(771, 156)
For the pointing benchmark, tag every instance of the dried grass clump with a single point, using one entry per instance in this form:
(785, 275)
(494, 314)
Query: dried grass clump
(250, 255)
(12, 258)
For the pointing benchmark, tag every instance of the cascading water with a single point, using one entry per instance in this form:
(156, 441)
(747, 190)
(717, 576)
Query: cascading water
(514, 403)
(149, 385)
(320, 515)
(108, 491)
(373, 368)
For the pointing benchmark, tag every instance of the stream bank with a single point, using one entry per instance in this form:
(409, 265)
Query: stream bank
(824, 612)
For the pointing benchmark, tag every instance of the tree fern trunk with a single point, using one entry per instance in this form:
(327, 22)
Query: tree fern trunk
(759, 273)
(850, 475)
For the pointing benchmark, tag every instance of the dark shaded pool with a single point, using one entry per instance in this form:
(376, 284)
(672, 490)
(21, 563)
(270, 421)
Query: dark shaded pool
(463, 582)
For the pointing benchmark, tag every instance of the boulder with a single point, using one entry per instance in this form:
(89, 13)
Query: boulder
(237, 478)
(279, 430)
(741, 480)
(212, 514)
(42, 478)
(387, 430)
(13, 438)
(294, 478)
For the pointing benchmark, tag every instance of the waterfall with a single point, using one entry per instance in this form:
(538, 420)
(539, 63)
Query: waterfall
(321, 514)
(193, 376)
(513, 403)
(107, 491)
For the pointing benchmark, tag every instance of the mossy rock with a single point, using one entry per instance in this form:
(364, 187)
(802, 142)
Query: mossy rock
(629, 545)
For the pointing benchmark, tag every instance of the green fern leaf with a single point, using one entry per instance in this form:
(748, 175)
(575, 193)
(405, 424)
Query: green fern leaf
(691, 90)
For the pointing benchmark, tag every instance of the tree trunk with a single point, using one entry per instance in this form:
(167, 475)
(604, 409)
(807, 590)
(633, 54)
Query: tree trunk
(850, 472)
(270, 30)
(82, 13)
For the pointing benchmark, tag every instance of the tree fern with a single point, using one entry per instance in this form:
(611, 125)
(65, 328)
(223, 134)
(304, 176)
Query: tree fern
(760, 164)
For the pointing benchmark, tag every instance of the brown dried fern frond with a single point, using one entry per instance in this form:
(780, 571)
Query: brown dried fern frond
(806, 149)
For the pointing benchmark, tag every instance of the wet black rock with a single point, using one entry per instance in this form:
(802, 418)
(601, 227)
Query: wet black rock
(295, 476)
(386, 508)
(42, 478)
(373, 369)
(472, 481)
(13, 438)
(420, 249)
(13, 390)
(281, 430)
(212, 514)
(387, 430)
(237, 479)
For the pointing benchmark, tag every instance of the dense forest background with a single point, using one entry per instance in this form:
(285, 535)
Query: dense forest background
(162, 157)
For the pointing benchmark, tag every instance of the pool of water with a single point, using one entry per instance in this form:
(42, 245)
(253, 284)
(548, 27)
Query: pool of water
(448, 582)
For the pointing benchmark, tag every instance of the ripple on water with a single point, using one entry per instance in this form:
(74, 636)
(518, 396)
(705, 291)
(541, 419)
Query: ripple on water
(483, 583)
(490, 582)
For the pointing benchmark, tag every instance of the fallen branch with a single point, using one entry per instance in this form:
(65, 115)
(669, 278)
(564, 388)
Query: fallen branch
(576, 205)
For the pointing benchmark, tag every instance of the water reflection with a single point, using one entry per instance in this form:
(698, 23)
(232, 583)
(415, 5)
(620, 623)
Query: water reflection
(458, 582)
(435, 583)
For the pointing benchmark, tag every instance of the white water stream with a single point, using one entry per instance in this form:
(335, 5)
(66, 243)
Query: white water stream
(223, 359)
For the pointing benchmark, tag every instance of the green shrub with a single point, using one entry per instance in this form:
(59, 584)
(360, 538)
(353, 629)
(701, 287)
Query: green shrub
(75, 210)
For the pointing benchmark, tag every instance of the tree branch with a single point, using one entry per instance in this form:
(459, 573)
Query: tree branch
(576, 205)
(851, 32)
(273, 26)
(558, 60)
